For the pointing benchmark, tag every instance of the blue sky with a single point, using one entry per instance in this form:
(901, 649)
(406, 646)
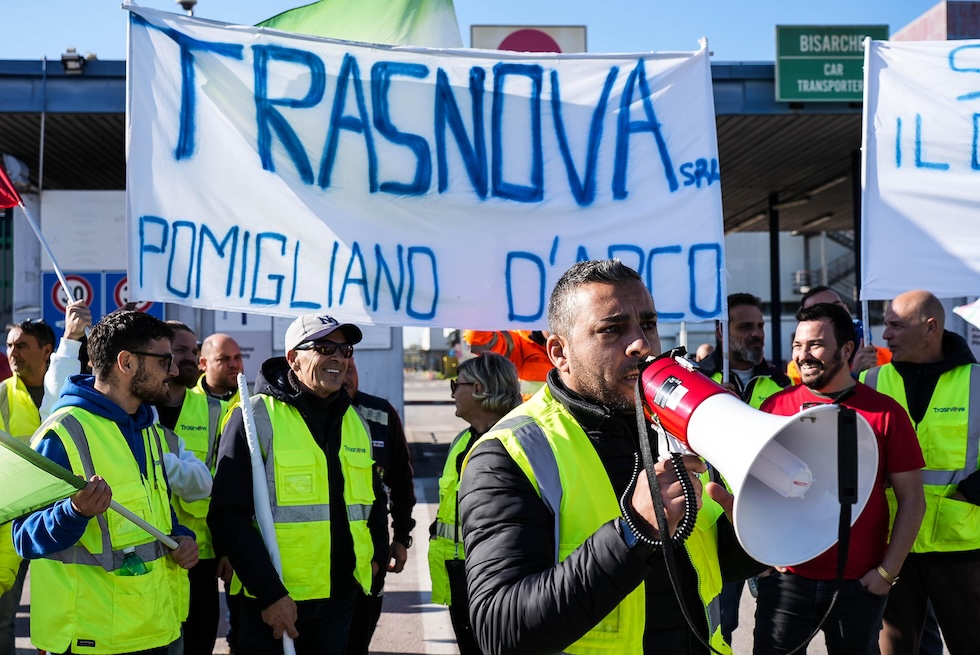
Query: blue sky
(736, 31)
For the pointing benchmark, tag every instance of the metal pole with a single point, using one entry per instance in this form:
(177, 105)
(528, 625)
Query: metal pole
(823, 258)
(44, 116)
(775, 288)
(856, 212)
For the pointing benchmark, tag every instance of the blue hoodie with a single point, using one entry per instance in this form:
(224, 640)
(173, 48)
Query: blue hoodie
(59, 526)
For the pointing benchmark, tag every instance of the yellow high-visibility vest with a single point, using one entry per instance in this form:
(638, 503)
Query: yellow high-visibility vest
(549, 445)
(199, 425)
(299, 492)
(86, 606)
(447, 544)
(762, 387)
(17, 409)
(949, 435)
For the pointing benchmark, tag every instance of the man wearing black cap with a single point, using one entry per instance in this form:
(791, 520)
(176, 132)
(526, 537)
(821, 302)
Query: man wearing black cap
(323, 490)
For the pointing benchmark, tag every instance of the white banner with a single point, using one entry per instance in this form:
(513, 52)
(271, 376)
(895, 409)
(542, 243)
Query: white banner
(280, 174)
(921, 215)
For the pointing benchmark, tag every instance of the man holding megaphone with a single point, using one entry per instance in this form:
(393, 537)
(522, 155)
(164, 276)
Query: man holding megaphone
(793, 600)
(553, 564)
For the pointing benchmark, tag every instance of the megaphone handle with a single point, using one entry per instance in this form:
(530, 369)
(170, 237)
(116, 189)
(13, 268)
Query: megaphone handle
(648, 461)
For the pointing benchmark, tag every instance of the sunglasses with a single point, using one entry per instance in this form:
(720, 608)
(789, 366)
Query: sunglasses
(453, 385)
(328, 348)
(168, 358)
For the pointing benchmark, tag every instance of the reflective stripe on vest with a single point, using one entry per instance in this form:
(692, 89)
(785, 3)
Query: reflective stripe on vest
(542, 460)
(507, 338)
(445, 530)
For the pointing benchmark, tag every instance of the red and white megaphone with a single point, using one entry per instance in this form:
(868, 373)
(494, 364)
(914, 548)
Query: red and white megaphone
(782, 470)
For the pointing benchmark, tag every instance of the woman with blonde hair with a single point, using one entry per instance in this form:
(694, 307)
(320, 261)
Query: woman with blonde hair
(485, 390)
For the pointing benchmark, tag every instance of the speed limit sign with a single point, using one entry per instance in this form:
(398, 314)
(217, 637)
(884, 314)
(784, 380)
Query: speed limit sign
(81, 289)
(87, 286)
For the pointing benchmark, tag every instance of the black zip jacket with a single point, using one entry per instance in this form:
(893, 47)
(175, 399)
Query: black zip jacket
(390, 450)
(521, 601)
(920, 383)
(232, 509)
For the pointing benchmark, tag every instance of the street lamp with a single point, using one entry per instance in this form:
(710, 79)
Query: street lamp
(188, 6)
(72, 62)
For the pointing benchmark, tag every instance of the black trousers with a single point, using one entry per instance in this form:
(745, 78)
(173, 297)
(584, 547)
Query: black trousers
(201, 626)
(367, 612)
(951, 581)
(323, 625)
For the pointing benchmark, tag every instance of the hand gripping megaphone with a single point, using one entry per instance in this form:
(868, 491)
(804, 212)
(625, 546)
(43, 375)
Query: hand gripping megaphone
(782, 470)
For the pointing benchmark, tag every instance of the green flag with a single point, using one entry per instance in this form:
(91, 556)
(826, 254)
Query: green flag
(428, 23)
(29, 480)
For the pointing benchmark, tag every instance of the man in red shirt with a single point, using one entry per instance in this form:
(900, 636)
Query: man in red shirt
(793, 600)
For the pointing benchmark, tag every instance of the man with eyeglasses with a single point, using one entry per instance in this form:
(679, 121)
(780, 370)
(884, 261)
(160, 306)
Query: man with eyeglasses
(25, 399)
(326, 497)
(103, 429)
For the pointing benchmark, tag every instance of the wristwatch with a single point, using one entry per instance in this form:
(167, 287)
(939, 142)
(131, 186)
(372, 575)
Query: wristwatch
(628, 535)
(404, 541)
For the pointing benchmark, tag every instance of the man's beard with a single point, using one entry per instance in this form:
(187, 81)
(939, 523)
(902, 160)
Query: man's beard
(752, 355)
(826, 373)
(597, 391)
(143, 388)
(187, 376)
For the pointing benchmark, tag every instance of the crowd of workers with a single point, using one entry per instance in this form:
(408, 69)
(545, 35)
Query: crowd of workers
(546, 537)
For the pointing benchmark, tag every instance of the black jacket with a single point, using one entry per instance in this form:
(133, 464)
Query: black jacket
(232, 508)
(920, 383)
(520, 601)
(389, 447)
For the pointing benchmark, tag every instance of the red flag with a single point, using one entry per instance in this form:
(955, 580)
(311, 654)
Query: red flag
(8, 194)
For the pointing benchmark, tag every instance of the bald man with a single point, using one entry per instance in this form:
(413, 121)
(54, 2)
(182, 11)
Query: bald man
(935, 377)
(221, 361)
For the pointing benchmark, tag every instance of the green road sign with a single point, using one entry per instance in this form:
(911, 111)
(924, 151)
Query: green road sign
(822, 63)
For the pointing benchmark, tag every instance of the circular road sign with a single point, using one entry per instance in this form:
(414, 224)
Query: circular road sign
(529, 40)
(81, 289)
(121, 295)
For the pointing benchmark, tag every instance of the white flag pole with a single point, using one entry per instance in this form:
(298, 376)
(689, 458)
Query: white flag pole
(47, 250)
(260, 494)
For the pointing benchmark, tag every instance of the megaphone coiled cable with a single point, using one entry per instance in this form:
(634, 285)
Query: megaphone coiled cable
(685, 527)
